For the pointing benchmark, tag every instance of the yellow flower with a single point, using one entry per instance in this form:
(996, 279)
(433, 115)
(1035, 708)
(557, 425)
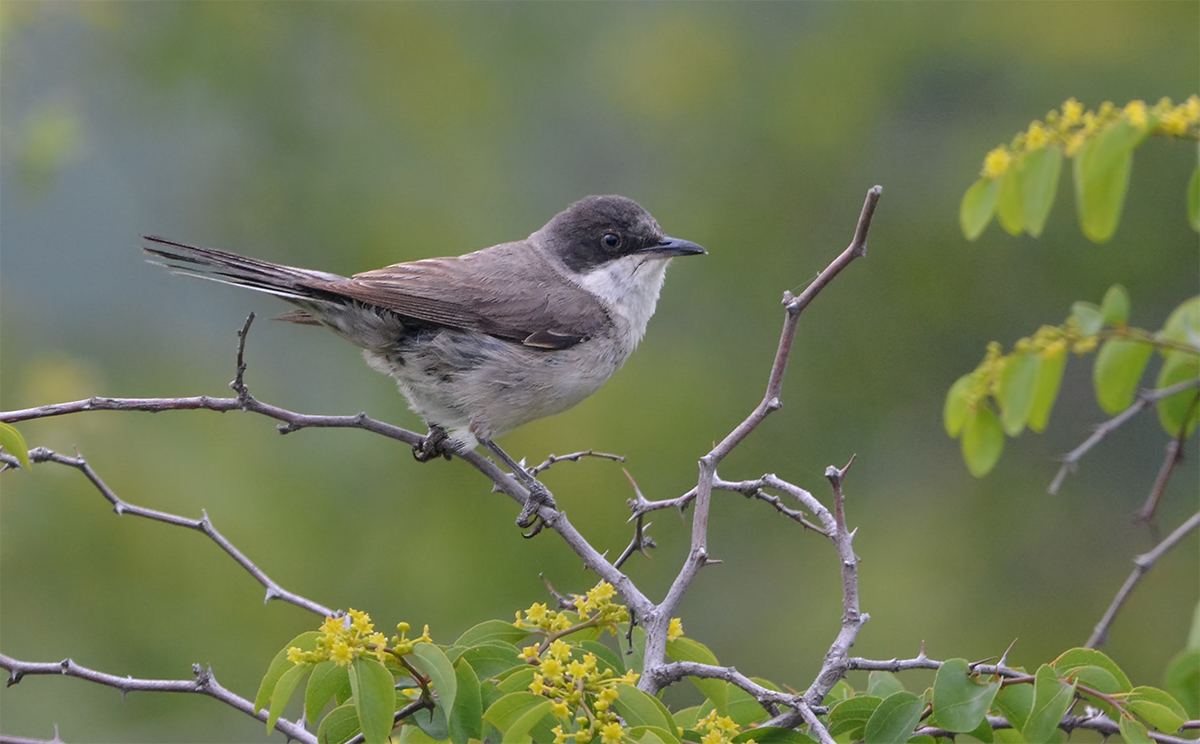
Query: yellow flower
(577, 670)
(601, 592)
(1072, 112)
(996, 163)
(1135, 112)
(560, 710)
(1175, 121)
(713, 737)
(295, 655)
(1036, 137)
(1191, 109)
(341, 653)
(538, 685)
(675, 629)
(611, 733)
(529, 653)
(560, 650)
(1074, 142)
(552, 668)
(559, 736)
(536, 613)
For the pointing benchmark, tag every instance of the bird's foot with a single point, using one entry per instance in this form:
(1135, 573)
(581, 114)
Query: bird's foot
(435, 444)
(539, 495)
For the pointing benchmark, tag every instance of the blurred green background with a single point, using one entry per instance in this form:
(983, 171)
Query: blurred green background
(348, 136)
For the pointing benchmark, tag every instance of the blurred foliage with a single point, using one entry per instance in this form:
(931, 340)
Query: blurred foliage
(347, 136)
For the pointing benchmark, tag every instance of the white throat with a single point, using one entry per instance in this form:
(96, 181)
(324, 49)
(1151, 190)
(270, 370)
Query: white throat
(629, 288)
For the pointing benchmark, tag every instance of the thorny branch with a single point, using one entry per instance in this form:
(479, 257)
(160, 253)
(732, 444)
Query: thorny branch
(1141, 565)
(204, 524)
(1144, 398)
(203, 683)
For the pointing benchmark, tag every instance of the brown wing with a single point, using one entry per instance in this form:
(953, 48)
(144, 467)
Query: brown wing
(505, 291)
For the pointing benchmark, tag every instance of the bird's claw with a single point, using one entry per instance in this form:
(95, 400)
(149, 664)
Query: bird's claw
(432, 446)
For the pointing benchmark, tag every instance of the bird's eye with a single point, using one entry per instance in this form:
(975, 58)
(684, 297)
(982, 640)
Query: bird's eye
(611, 240)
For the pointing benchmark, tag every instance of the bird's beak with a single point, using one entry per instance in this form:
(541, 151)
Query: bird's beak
(668, 247)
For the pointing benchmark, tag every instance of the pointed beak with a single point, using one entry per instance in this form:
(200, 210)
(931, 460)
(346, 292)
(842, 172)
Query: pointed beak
(668, 247)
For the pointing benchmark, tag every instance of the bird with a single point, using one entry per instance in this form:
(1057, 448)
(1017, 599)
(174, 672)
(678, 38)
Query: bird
(482, 343)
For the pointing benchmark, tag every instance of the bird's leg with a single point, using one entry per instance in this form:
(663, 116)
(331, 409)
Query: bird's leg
(539, 495)
(433, 445)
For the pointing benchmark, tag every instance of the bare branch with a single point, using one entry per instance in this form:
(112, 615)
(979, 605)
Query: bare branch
(1144, 399)
(573, 457)
(204, 524)
(1174, 457)
(1142, 564)
(204, 683)
(658, 621)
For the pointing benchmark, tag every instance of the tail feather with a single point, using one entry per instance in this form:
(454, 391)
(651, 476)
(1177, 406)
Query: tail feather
(287, 282)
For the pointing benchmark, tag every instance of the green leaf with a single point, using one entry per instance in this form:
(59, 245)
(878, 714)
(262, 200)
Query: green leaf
(1010, 202)
(306, 641)
(517, 681)
(743, 708)
(1049, 380)
(1133, 732)
(1183, 325)
(982, 441)
(882, 684)
(1068, 664)
(960, 702)
(492, 630)
(1016, 391)
(341, 725)
(1051, 698)
(1015, 702)
(773, 735)
(1102, 170)
(1088, 316)
(1193, 200)
(327, 682)
(1157, 708)
(956, 409)
(433, 723)
(432, 662)
(651, 735)
(1039, 185)
(1182, 680)
(1179, 412)
(978, 206)
(641, 709)
(685, 649)
(14, 444)
(895, 719)
(1115, 307)
(519, 713)
(983, 732)
(1118, 370)
(374, 696)
(283, 691)
(466, 718)
(491, 658)
(850, 716)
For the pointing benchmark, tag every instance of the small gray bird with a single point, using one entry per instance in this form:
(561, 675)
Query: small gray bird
(484, 342)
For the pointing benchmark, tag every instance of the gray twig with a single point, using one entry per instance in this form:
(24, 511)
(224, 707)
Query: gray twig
(1142, 564)
(203, 683)
(1144, 398)
(204, 524)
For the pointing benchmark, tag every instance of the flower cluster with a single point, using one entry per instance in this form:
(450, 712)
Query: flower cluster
(593, 608)
(353, 634)
(580, 691)
(717, 729)
(1049, 342)
(1071, 128)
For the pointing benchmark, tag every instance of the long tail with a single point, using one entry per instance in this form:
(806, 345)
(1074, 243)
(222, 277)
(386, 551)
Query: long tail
(287, 282)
